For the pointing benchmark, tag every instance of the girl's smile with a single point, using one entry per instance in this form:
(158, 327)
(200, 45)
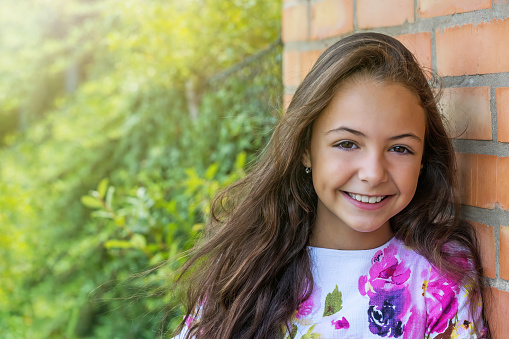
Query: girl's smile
(368, 203)
(365, 154)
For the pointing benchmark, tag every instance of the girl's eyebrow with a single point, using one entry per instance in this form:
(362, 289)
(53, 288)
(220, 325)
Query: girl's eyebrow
(341, 129)
(406, 135)
(360, 134)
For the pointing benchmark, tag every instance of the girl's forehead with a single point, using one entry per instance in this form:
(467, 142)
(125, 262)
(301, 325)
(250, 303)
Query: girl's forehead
(372, 106)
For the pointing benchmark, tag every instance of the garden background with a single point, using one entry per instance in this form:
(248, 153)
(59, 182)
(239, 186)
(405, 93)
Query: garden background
(119, 119)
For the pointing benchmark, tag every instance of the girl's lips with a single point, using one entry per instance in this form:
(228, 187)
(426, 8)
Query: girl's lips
(366, 205)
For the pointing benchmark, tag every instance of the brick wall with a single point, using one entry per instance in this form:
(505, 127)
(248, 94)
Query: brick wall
(467, 42)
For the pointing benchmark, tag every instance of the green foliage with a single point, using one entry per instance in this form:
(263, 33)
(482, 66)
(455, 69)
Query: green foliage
(109, 179)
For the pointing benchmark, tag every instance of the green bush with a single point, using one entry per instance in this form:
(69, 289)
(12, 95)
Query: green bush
(103, 183)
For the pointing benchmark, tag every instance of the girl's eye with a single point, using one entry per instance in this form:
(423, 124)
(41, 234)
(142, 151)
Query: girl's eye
(401, 149)
(346, 145)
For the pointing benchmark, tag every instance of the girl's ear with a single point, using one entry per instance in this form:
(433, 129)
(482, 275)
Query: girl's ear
(306, 159)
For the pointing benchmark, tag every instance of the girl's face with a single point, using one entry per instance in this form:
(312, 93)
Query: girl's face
(365, 154)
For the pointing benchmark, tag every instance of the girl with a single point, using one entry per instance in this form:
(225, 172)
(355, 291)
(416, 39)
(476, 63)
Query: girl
(348, 226)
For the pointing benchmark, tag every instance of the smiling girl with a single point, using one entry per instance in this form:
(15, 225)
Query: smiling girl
(348, 226)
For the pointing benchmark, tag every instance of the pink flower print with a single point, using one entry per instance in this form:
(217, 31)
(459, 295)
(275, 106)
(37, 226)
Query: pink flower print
(386, 273)
(441, 296)
(363, 279)
(413, 324)
(305, 308)
(340, 323)
(311, 305)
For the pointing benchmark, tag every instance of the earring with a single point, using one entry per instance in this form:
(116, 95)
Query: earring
(307, 170)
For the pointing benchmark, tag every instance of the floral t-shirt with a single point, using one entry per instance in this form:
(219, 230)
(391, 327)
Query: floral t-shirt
(386, 292)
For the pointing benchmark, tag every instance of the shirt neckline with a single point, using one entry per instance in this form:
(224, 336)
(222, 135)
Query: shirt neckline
(321, 251)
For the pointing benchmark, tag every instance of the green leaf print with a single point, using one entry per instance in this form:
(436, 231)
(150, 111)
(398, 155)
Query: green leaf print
(333, 302)
(293, 333)
(310, 335)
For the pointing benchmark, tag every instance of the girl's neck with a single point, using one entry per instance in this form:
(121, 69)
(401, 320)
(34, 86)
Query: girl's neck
(349, 239)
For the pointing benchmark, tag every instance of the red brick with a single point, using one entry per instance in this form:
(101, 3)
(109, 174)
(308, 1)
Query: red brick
(503, 182)
(473, 49)
(468, 112)
(504, 252)
(498, 313)
(307, 60)
(384, 13)
(331, 18)
(486, 235)
(431, 8)
(503, 114)
(291, 68)
(295, 23)
(477, 175)
(420, 45)
(485, 181)
(464, 168)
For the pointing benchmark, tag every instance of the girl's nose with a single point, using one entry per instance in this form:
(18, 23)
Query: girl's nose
(373, 170)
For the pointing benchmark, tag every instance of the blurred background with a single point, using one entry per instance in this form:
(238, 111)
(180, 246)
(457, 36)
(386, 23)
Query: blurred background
(119, 120)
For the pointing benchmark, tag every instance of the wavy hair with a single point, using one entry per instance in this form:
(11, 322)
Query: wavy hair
(252, 271)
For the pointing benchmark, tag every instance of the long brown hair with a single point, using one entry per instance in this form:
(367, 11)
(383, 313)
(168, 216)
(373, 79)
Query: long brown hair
(250, 274)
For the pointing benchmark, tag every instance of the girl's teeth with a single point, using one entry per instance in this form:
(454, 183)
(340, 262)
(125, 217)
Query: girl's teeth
(365, 198)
